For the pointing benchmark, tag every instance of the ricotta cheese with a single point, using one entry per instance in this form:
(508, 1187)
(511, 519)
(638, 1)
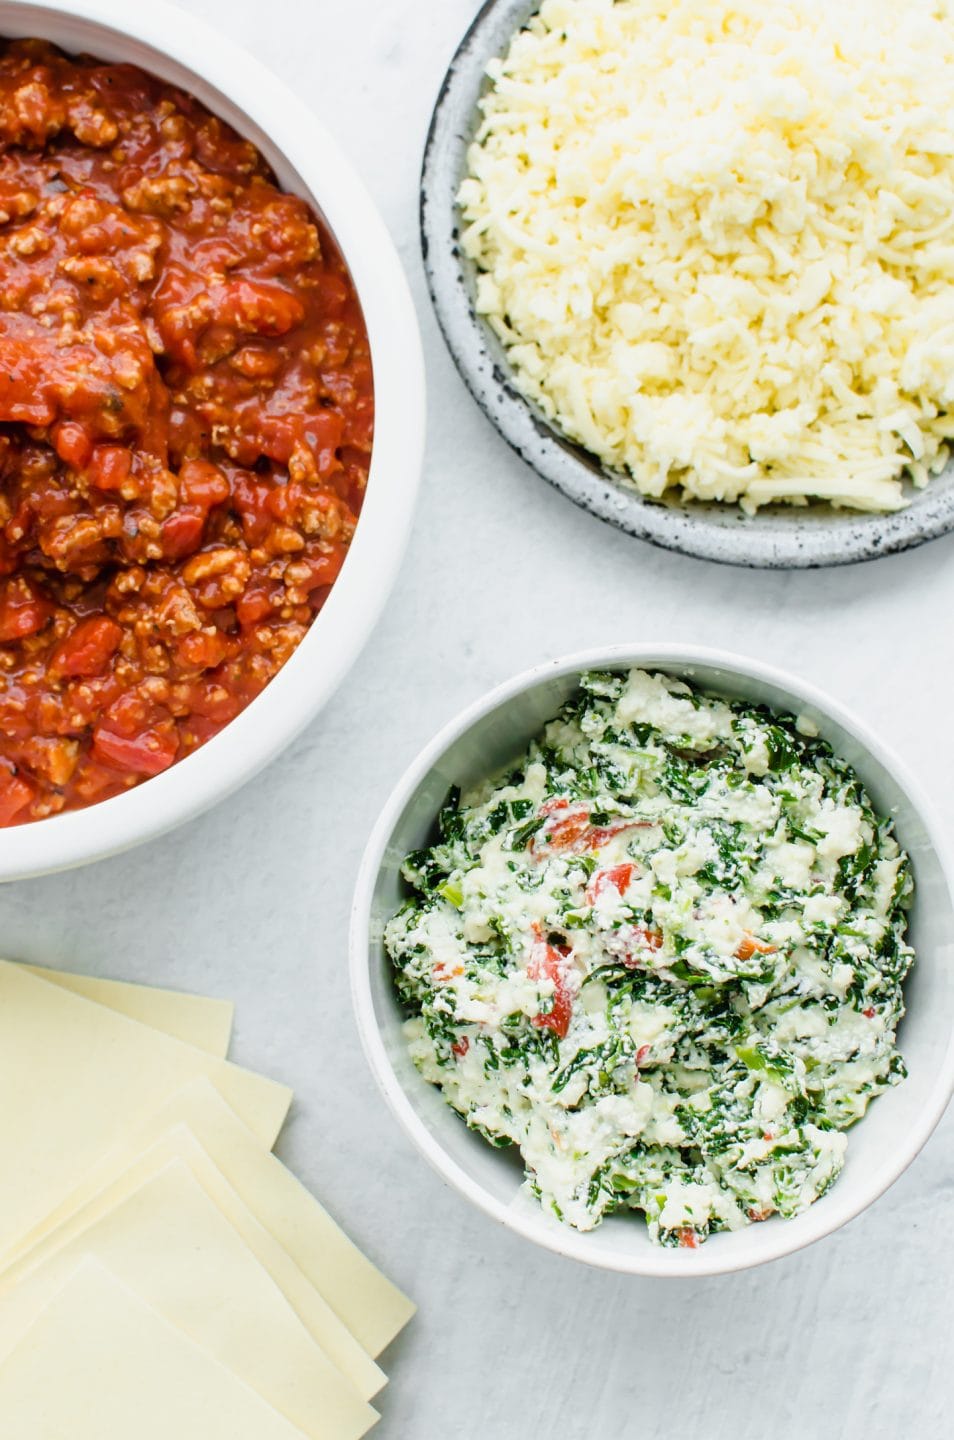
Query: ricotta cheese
(669, 1002)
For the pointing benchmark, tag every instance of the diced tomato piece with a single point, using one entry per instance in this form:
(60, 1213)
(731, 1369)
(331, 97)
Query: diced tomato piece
(212, 700)
(93, 782)
(574, 831)
(109, 466)
(15, 795)
(323, 431)
(72, 443)
(24, 610)
(253, 606)
(284, 500)
(617, 877)
(750, 945)
(251, 499)
(688, 1239)
(461, 1046)
(271, 435)
(546, 962)
(652, 939)
(564, 833)
(202, 483)
(332, 293)
(182, 533)
(323, 568)
(137, 736)
(88, 649)
(148, 753)
(256, 362)
(443, 971)
(202, 650)
(257, 308)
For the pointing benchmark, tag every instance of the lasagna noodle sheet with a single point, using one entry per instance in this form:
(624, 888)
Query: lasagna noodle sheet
(179, 1143)
(77, 1078)
(195, 1019)
(168, 1241)
(373, 1309)
(99, 1364)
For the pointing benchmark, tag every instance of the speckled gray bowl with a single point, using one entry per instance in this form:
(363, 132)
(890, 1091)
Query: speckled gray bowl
(779, 537)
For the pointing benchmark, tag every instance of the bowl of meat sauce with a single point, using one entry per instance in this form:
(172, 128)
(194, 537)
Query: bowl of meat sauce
(211, 415)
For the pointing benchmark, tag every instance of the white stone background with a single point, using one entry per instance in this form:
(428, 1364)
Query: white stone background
(850, 1340)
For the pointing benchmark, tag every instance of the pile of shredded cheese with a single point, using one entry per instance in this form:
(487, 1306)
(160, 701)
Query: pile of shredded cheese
(717, 240)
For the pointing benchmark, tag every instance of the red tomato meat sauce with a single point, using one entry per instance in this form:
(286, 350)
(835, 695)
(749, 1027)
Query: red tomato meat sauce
(186, 414)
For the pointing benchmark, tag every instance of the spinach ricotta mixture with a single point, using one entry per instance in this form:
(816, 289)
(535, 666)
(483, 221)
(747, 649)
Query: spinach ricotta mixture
(663, 957)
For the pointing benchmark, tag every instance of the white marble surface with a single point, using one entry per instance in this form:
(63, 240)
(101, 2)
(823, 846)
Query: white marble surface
(851, 1339)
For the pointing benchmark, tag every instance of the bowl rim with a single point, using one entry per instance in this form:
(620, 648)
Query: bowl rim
(339, 632)
(836, 1208)
(776, 538)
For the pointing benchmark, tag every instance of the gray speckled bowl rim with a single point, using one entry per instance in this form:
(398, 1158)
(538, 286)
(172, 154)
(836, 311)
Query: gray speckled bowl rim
(778, 537)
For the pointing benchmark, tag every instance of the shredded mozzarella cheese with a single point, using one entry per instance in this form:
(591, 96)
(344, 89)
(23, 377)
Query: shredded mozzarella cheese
(716, 238)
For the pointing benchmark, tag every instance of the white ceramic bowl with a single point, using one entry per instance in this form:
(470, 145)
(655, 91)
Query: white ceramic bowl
(493, 733)
(169, 43)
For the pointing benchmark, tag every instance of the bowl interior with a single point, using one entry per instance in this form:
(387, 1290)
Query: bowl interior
(879, 1147)
(306, 161)
(779, 536)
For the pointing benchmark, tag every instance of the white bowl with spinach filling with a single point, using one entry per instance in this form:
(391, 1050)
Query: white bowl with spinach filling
(645, 920)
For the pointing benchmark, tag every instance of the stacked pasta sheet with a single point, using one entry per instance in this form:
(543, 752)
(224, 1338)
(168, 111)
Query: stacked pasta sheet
(161, 1272)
